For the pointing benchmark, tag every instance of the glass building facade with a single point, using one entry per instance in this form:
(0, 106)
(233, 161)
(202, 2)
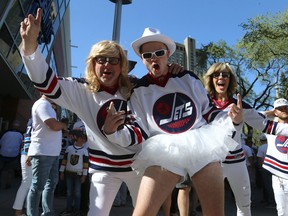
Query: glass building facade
(17, 93)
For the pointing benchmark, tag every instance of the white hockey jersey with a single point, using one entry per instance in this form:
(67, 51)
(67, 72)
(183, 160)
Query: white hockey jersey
(172, 105)
(276, 159)
(256, 120)
(91, 108)
(75, 160)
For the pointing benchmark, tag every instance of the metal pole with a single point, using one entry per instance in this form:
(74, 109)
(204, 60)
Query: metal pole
(117, 21)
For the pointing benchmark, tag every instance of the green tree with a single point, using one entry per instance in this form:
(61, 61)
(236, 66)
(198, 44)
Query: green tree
(264, 47)
(259, 59)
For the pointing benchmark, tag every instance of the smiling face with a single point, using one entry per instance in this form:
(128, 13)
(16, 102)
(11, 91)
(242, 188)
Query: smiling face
(107, 70)
(155, 57)
(107, 65)
(221, 82)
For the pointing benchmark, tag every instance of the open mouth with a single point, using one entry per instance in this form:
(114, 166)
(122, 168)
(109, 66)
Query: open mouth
(220, 84)
(107, 73)
(156, 66)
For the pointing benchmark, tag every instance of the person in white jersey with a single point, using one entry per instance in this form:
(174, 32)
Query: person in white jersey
(276, 159)
(176, 111)
(221, 84)
(106, 79)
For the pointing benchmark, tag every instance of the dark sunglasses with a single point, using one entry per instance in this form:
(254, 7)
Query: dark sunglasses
(222, 74)
(157, 53)
(111, 60)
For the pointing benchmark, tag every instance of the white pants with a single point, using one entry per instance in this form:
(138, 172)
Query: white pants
(280, 188)
(238, 178)
(25, 184)
(104, 187)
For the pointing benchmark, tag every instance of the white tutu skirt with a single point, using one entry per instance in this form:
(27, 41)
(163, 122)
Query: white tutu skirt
(187, 152)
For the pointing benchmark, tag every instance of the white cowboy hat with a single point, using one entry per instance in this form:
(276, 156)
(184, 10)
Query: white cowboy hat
(153, 34)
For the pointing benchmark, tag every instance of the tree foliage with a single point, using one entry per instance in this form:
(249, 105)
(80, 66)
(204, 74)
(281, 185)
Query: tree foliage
(259, 59)
(264, 46)
(266, 37)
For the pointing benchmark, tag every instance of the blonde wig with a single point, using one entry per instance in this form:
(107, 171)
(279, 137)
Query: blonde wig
(108, 49)
(220, 67)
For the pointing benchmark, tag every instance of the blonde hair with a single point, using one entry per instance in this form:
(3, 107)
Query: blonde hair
(220, 67)
(111, 49)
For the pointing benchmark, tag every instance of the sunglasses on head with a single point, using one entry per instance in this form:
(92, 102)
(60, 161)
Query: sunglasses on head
(157, 53)
(222, 74)
(103, 60)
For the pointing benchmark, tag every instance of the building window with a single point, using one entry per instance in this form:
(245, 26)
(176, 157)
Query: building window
(53, 63)
(6, 41)
(15, 16)
(62, 9)
(26, 5)
(14, 58)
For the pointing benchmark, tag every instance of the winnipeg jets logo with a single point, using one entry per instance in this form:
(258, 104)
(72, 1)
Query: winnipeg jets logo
(118, 104)
(174, 113)
(281, 143)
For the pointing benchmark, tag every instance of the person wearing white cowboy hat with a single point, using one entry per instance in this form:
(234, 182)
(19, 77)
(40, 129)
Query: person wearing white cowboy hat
(167, 105)
(153, 34)
(162, 46)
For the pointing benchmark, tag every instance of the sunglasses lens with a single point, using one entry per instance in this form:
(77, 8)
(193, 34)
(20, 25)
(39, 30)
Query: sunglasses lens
(160, 53)
(114, 61)
(100, 60)
(225, 74)
(222, 74)
(147, 55)
(157, 53)
(111, 60)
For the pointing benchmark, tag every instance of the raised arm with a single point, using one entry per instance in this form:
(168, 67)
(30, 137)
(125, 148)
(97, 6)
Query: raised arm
(29, 30)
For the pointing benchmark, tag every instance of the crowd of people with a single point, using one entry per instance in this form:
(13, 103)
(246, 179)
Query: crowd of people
(141, 132)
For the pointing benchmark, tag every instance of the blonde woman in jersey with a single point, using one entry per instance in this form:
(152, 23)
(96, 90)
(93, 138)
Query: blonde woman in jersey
(221, 83)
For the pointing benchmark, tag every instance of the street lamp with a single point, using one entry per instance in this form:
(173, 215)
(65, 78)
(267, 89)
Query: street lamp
(117, 24)
(117, 18)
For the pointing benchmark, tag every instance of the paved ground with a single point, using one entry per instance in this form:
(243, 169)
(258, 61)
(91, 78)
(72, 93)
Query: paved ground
(7, 198)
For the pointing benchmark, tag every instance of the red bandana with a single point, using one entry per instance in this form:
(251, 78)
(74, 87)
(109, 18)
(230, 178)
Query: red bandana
(160, 81)
(111, 90)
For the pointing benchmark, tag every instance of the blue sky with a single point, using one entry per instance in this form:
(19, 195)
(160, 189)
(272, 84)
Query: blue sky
(204, 20)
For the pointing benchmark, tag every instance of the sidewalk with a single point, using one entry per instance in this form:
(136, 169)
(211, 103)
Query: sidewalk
(7, 198)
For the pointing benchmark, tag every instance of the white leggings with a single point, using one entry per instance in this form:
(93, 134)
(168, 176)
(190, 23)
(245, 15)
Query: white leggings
(238, 178)
(25, 184)
(104, 187)
(280, 188)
